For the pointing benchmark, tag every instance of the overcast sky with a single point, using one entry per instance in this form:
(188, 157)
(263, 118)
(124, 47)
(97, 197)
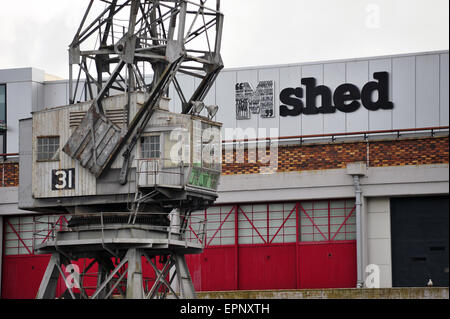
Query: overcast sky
(256, 32)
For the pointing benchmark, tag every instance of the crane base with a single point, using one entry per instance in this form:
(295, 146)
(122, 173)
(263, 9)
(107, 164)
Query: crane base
(119, 250)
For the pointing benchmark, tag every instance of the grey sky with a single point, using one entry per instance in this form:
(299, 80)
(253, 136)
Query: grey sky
(257, 32)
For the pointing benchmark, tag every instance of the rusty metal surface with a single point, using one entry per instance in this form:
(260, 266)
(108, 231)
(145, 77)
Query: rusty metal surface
(93, 141)
(157, 33)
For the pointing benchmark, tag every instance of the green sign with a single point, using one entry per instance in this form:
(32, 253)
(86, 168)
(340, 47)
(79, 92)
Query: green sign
(203, 178)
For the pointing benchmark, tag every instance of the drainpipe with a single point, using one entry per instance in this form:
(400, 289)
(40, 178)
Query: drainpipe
(1, 253)
(356, 170)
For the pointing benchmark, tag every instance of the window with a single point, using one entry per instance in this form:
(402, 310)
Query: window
(2, 105)
(220, 226)
(23, 233)
(280, 223)
(327, 220)
(3, 118)
(48, 148)
(151, 146)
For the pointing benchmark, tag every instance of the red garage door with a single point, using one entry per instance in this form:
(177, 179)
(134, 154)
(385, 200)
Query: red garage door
(22, 276)
(327, 265)
(267, 267)
(308, 244)
(22, 270)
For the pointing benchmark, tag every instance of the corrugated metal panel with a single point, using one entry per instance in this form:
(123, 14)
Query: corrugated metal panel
(403, 92)
(115, 116)
(312, 123)
(55, 94)
(427, 90)
(358, 74)
(290, 77)
(381, 119)
(225, 100)
(431, 73)
(64, 121)
(61, 119)
(271, 75)
(334, 76)
(85, 183)
(444, 98)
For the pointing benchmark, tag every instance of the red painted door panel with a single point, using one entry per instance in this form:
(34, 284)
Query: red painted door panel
(214, 269)
(327, 265)
(259, 267)
(22, 275)
(267, 267)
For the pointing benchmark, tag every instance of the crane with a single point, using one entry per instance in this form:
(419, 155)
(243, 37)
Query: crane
(127, 61)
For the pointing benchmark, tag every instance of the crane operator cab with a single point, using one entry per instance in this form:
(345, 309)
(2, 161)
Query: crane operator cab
(175, 163)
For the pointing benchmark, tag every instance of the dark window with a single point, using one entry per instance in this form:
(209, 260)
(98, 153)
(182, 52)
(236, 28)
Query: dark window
(2, 105)
(151, 146)
(48, 148)
(2, 118)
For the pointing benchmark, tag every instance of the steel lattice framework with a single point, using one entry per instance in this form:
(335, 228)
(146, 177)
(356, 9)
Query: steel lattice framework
(113, 51)
(116, 48)
(130, 34)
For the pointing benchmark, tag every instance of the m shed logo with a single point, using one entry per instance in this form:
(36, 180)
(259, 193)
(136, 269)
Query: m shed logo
(346, 98)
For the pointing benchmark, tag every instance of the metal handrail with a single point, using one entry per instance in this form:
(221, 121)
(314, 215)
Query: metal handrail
(192, 219)
(155, 170)
(49, 233)
(141, 161)
(177, 169)
(8, 154)
(332, 135)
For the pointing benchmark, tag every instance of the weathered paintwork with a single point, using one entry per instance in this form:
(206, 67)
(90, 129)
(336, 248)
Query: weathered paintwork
(64, 121)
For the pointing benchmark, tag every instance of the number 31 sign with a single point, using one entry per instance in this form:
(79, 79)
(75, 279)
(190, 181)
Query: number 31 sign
(63, 179)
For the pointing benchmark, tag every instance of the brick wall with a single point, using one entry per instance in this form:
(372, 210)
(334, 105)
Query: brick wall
(418, 151)
(399, 152)
(9, 174)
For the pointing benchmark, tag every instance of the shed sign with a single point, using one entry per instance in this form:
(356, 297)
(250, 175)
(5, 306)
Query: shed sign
(347, 98)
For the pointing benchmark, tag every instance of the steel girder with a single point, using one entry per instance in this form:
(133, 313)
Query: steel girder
(130, 37)
(122, 279)
(146, 33)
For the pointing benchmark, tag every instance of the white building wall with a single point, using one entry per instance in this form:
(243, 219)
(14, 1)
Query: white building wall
(24, 94)
(56, 94)
(418, 89)
(379, 238)
(19, 105)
